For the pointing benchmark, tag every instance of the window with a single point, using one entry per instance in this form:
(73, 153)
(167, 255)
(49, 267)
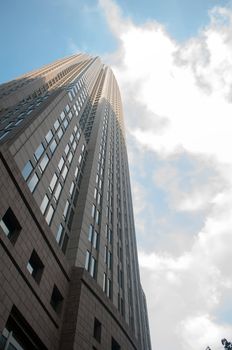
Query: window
(71, 189)
(64, 172)
(35, 266)
(49, 215)
(27, 170)
(61, 163)
(58, 191)
(65, 243)
(65, 123)
(19, 333)
(70, 219)
(115, 345)
(33, 182)
(56, 299)
(60, 133)
(70, 96)
(104, 282)
(70, 157)
(18, 122)
(90, 233)
(62, 115)
(74, 145)
(97, 219)
(97, 330)
(76, 172)
(43, 163)
(95, 239)
(66, 209)
(49, 136)
(93, 211)
(59, 234)
(56, 124)
(87, 260)
(53, 146)
(98, 199)
(93, 267)
(39, 151)
(108, 288)
(109, 260)
(44, 204)
(53, 182)
(10, 225)
(66, 150)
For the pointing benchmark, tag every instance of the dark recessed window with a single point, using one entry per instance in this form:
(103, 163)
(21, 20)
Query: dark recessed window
(97, 330)
(10, 225)
(115, 345)
(56, 299)
(35, 266)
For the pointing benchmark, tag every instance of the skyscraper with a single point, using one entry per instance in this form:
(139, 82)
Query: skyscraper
(68, 257)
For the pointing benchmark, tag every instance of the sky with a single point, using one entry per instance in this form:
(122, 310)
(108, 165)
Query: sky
(173, 62)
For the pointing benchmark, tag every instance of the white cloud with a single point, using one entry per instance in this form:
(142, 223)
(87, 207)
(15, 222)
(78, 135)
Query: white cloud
(178, 104)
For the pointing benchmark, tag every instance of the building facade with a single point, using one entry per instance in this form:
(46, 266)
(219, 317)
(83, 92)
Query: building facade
(68, 256)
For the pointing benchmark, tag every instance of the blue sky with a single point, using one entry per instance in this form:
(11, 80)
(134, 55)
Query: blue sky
(173, 62)
(35, 32)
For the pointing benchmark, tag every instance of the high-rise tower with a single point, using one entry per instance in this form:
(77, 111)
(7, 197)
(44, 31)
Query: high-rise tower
(68, 257)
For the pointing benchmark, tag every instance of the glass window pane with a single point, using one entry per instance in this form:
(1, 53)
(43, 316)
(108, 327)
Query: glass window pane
(53, 146)
(27, 170)
(49, 136)
(59, 233)
(61, 163)
(66, 149)
(90, 233)
(49, 215)
(53, 182)
(87, 258)
(33, 182)
(60, 133)
(95, 239)
(65, 123)
(71, 189)
(92, 266)
(70, 157)
(64, 172)
(44, 163)
(93, 210)
(56, 124)
(39, 151)
(66, 209)
(44, 204)
(58, 191)
(62, 115)
(76, 172)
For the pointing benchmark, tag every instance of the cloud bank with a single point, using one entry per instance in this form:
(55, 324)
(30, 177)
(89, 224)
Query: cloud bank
(178, 111)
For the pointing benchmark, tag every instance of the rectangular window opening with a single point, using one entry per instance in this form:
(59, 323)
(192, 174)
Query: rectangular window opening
(10, 225)
(35, 266)
(97, 330)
